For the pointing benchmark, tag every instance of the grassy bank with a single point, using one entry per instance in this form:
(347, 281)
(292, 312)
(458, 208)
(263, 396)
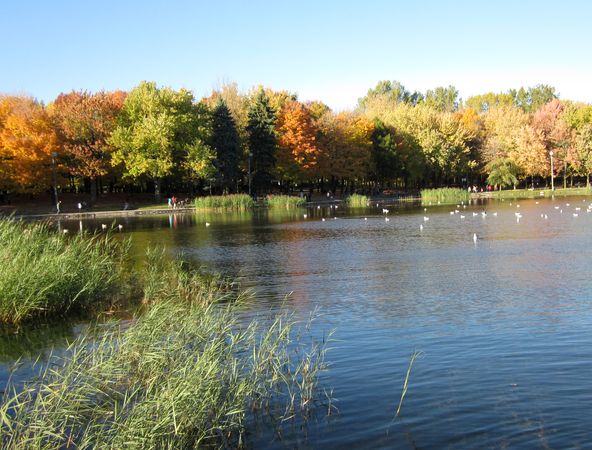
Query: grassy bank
(234, 201)
(44, 273)
(284, 201)
(357, 201)
(444, 196)
(186, 373)
(536, 193)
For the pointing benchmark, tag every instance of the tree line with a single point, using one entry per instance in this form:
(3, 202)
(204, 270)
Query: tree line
(165, 140)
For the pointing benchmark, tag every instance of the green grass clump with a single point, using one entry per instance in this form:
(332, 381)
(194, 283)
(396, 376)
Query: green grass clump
(357, 201)
(444, 195)
(188, 373)
(43, 272)
(233, 201)
(284, 201)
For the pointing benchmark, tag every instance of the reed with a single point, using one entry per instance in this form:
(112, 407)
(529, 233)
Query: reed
(188, 373)
(284, 201)
(537, 193)
(414, 356)
(45, 273)
(444, 196)
(357, 201)
(233, 201)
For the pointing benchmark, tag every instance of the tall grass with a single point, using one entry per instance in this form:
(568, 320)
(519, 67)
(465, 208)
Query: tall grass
(233, 201)
(357, 201)
(444, 195)
(536, 193)
(45, 273)
(284, 201)
(186, 374)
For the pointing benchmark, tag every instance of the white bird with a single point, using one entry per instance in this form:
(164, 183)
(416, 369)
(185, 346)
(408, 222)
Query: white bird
(334, 218)
(465, 206)
(425, 209)
(462, 217)
(385, 211)
(452, 213)
(475, 238)
(475, 214)
(567, 204)
(536, 203)
(323, 219)
(575, 214)
(560, 211)
(305, 216)
(120, 227)
(425, 219)
(456, 211)
(336, 206)
(208, 224)
(484, 214)
(386, 219)
(517, 214)
(65, 231)
(546, 217)
(517, 206)
(577, 209)
(495, 214)
(365, 218)
(319, 207)
(103, 226)
(420, 227)
(556, 207)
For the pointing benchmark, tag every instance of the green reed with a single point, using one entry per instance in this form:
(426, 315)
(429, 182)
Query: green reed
(357, 201)
(44, 272)
(284, 201)
(233, 201)
(444, 195)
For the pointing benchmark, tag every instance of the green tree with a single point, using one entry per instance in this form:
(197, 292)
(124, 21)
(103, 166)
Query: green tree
(386, 152)
(226, 144)
(390, 91)
(444, 99)
(583, 145)
(502, 172)
(531, 99)
(262, 140)
(159, 129)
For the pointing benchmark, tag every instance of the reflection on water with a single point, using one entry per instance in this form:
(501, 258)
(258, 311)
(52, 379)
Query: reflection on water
(504, 323)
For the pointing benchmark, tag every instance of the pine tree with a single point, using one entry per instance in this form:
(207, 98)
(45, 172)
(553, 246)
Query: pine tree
(226, 143)
(262, 141)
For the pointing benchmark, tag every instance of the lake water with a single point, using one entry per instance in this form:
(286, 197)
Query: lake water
(504, 324)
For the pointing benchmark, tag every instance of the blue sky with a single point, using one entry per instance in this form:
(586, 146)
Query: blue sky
(327, 50)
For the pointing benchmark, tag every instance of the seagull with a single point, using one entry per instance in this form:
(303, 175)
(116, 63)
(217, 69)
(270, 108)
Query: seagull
(475, 238)
(420, 227)
(386, 219)
(546, 217)
(103, 226)
(305, 216)
(483, 213)
(120, 227)
(475, 214)
(577, 209)
(556, 207)
(323, 219)
(567, 204)
(319, 207)
(365, 218)
(575, 214)
(208, 224)
(495, 214)
(425, 219)
(385, 211)
(517, 206)
(65, 231)
(462, 217)
(452, 213)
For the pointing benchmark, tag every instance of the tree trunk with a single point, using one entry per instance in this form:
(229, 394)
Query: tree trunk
(565, 175)
(93, 190)
(157, 190)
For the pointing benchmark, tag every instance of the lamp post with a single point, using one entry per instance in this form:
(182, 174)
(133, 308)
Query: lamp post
(55, 178)
(552, 172)
(250, 156)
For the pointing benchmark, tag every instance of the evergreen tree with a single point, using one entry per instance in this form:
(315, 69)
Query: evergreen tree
(262, 141)
(387, 161)
(226, 143)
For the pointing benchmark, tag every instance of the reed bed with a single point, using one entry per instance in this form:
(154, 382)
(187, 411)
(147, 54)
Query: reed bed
(185, 374)
(536, 193)
(284, 201)
(357, 201)
(233, 201)
(45, 273)
(444, 196)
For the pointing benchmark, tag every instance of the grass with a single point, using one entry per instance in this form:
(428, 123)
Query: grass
(357, 201)
(284, 201)
(45, 273)
(535, 193)
(444, 196)
(185, 374)
(234, 201)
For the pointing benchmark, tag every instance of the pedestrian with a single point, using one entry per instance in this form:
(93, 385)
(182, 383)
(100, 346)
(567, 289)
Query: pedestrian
(58, 206)
(79, 207)
(174, 200)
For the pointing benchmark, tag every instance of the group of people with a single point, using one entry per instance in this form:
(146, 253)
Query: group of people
(476, 189)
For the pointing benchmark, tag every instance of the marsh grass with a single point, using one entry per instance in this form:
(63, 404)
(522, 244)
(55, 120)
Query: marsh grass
(357, 201)
(233, 201)
(284, 201)
(185, 374)
(44, 273)
(444, 196)
(537, 193)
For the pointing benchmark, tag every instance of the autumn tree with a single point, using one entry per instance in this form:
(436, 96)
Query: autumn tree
(27, 141)
(531, 99)
(85, 122)
(392, 92)
(159, 130)
(530, 153)
(262, 140)
(226, 143)
(444, 99)
(488, 101)
(298, 152)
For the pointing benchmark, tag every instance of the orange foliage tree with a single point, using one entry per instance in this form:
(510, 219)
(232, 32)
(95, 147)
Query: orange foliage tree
(298, 153)
(85, 122)
(27, 141)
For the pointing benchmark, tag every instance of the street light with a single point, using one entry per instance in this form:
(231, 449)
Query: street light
(552, 172)
(250, 156)
(55, 179)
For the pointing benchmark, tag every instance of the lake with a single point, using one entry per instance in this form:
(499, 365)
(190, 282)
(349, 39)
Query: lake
(503, 324)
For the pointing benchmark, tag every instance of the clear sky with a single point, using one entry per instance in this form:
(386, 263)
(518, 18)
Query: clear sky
(332, 51)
